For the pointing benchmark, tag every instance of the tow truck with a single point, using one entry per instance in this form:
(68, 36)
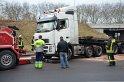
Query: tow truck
(9, 50)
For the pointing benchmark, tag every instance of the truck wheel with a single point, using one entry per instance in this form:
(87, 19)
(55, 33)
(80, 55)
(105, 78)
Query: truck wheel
(70, 54)
(89, 51)
(7, 60)
(97, 51)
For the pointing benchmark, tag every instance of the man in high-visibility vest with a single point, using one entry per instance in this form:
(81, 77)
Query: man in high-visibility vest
(110, 51)
(20, 40)
(38, 44)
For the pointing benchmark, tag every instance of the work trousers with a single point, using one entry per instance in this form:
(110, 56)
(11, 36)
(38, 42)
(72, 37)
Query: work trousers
(39, 60)
(111, 59)
(39, 56)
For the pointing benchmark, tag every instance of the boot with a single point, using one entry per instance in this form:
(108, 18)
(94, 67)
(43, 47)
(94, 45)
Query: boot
(36, 64)
(40, 65)
(110, 63)
(113, 63)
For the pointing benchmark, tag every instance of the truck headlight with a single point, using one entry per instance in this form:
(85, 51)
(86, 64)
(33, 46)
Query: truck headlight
(50, 48)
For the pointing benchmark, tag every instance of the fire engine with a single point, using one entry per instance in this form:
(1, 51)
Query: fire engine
(9, 50)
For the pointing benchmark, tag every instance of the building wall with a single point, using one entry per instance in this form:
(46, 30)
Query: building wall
(122, 35)
(110, 29)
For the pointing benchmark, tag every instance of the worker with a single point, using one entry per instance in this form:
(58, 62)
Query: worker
(14, 33)
(110, 51)
(20, 40)
(38, 44)
(62, 49)
(32, 43)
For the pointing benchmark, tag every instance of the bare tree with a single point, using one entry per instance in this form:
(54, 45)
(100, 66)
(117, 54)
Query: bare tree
(106, 13)
(26, 14)
(81, 13)
(34, 11)
(12, 11)
(93, 13)
(119, 13)
(89, 13)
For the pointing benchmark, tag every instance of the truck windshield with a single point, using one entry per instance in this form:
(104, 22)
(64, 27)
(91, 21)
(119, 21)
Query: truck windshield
(45, 26)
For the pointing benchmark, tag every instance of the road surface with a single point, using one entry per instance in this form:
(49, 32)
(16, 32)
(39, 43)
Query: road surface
(80, 70)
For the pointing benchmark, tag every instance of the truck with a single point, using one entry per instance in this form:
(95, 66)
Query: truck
(9, 50)
(63, 22)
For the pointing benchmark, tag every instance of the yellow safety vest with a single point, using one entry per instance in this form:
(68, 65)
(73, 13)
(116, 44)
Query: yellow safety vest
(110, 50)
(20, 43)
(39, 43)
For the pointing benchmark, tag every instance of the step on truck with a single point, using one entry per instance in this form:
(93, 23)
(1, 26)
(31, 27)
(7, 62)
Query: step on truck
(9, 50)
(63, 22)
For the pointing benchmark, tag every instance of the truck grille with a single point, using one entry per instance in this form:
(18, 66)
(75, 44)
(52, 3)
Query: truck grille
(46, 40)
(45, 47)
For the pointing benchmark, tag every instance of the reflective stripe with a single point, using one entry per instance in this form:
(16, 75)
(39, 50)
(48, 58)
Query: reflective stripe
(111, 60)
(21, 43)
(113, 40)
(109, 51)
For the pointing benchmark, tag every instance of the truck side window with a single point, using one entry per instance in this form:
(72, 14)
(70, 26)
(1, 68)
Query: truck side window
(63, 24)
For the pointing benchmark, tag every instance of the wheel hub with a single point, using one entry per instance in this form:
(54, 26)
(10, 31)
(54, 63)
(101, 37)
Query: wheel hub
(6, 59)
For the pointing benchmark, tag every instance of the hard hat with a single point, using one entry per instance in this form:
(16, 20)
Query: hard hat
(20, 35)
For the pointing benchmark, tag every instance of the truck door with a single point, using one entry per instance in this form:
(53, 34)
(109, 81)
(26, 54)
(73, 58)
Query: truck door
(63, 30)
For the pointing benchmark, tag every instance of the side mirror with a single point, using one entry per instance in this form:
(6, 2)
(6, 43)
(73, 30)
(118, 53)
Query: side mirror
(58, 26)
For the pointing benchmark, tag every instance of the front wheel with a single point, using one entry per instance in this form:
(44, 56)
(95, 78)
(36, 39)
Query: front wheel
(7, 59)
(89, 51)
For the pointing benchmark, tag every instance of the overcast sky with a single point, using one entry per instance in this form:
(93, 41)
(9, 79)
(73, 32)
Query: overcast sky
(70, 2)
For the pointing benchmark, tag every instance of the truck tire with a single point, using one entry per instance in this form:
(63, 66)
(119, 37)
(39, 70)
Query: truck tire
(7, 60)
(89, 51)
(98, 51)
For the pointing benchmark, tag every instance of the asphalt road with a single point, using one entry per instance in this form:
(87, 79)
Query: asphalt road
(80, 70)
